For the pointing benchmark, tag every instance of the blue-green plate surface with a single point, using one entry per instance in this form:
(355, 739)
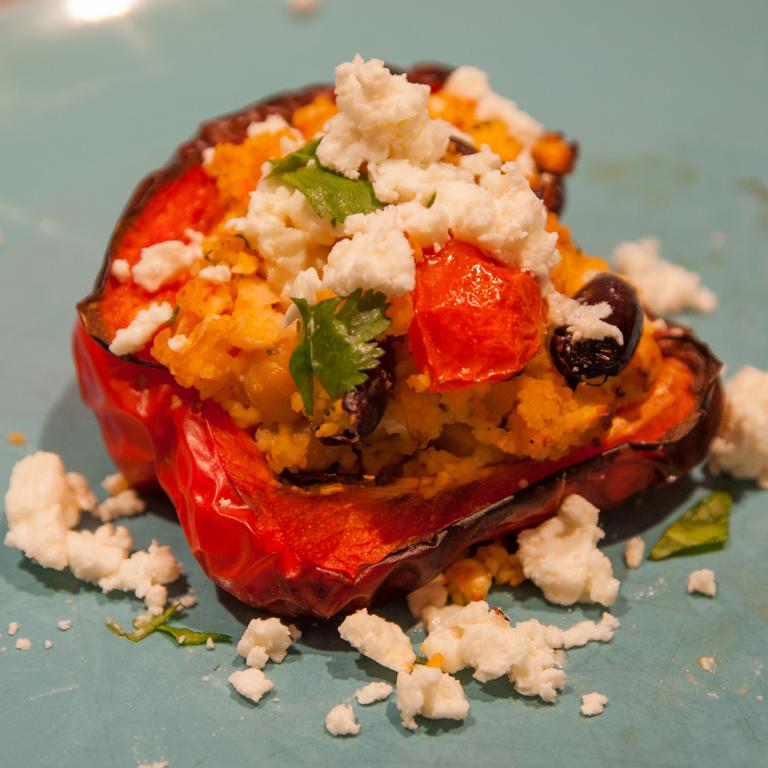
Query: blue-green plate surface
(668, 101)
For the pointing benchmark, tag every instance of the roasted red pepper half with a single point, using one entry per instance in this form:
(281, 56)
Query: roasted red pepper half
(336, 546)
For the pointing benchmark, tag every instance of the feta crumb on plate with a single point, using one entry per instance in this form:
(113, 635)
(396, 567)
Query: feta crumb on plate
(161, 263)
(13, 628)
(373, 692)
(251, 683)
(429, 692)
(433, 594)
(590, 631)
(593, 704)
(702, 582)
(23, 644)
(378, 639)
(115, 483)
(64, 624)
(126, 503)
(664, 288)
(707, 663)
(634, 550)
(741, 446)
(561, 556)
(48, 644)
(264, 639)
(141, 329)
(340, 721)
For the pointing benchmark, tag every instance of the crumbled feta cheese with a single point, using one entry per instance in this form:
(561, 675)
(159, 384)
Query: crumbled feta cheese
(583, 321)
(664, 288)
(64, 624)
(540, 672)
(23, 644)
(373, 692)
(188, 601)
(251, 683)
(433, 594)
(48, 644)
(141, 329)
(472, 83)
(164, 262)
(431, 693)
(591, 631)
(634, 550)
(114, 484)
(381, 116)
(593, 704)
(271, 124)
(41, 504)
(561, 556)
(207, 155)
(216, 273)
(741, 446)
(121, 270)
(378, 639)
(707, 663)
(13, 628)
(703, 582)
(340, 721)
(209, 644)
(288, 234)
(264, 639)
(126, 503)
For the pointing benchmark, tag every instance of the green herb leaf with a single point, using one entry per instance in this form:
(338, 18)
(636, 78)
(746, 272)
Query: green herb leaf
(702, 528)
(329, 193)
(174, 315)
(336, 343)
(186, 636)
(145, 628)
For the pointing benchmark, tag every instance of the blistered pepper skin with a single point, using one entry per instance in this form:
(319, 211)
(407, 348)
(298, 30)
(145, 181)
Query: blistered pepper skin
(335, 547)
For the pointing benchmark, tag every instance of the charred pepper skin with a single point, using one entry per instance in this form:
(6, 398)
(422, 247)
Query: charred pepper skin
(340, 544)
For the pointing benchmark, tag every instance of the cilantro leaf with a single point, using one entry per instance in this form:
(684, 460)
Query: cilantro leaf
(329, 193)
(703, 527)
(143, 629)
(337, 344)
(187, 636)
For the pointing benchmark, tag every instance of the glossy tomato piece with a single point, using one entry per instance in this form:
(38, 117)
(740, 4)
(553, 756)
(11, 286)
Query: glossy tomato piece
(474, 320)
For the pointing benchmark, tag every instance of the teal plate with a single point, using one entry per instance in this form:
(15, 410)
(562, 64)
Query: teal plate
(668, 101)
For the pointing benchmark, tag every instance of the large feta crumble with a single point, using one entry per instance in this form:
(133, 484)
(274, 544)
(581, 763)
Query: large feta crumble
(591, 631)
(264, 639)
(561, 556)
(162, 263)
(340, 721)
(741, 446)
(43, 505)
(378, 639)
(251, 683)
(703, 582)
(141, 329)
(634, 551)
(664, 288)
(433, 594)
(429, 692)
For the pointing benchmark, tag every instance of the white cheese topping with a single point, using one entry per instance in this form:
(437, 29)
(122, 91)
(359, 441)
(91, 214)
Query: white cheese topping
(64, 625)
(216, 273)
(340, 721)
(664, 288)
(251, 683)
(13, 628)
(378, 639)
(583, 321)
(593, 704)
(703, 582)
(126, 503)
(264, 639)
(23, 644)
(162, 263)
(431, 693)
(432, 595)
(741, 446)
(707, 663)
(591, 631)
(178, 342)
(48, 644)
(272, 124)
(373, 692)
(141, 329)
(561, 556)
(43, 505)
(634, 551)
(121, 270)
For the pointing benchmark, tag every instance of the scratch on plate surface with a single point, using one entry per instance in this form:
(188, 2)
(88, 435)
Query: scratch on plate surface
(55, 691)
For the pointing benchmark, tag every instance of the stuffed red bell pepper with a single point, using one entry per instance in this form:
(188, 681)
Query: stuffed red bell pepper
(346, 333)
